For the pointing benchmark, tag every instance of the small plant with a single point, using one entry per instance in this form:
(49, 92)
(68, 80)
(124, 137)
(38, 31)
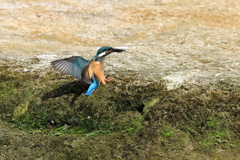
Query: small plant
(167, 133)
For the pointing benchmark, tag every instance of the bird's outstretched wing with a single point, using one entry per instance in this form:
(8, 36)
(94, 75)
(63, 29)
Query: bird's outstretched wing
(70, 66)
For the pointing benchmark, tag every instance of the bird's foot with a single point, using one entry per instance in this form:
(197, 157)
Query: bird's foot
(108, 80)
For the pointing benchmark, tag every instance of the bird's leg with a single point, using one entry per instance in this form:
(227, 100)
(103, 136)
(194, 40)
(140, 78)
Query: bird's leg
(108, 80)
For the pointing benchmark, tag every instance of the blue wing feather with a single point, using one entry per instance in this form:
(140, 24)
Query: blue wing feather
(71, 66)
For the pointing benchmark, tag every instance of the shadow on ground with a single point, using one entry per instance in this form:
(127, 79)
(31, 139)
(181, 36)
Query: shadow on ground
(75, 87)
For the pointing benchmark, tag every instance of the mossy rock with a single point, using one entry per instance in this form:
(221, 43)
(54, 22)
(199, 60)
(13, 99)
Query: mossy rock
(21, 109)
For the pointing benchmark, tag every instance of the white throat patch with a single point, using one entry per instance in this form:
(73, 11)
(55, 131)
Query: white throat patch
(101, 54)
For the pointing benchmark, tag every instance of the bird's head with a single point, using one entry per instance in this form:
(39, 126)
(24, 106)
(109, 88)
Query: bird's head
(106, 50)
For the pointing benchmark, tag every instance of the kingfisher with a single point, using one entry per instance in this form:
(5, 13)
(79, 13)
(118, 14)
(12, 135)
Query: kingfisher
(88, 71)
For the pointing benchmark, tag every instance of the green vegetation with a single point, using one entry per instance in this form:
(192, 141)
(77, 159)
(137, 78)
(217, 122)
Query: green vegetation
(167, 133)
(126, 122)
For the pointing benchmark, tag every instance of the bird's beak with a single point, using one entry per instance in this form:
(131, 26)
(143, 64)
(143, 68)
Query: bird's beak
(118, 50)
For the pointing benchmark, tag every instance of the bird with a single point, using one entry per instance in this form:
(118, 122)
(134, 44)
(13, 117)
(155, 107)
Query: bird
(88, 71)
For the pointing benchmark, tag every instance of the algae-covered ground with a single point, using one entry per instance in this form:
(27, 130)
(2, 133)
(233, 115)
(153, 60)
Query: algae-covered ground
(175, 93)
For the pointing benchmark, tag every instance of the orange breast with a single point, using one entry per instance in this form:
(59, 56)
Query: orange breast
(97, 69)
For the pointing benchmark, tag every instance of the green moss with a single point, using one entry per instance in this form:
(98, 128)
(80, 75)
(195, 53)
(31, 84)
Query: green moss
(120, 122)
(133, 125)
(215, 127)
(8, 89)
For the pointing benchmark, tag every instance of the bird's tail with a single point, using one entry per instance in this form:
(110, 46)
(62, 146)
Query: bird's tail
(94, 85)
